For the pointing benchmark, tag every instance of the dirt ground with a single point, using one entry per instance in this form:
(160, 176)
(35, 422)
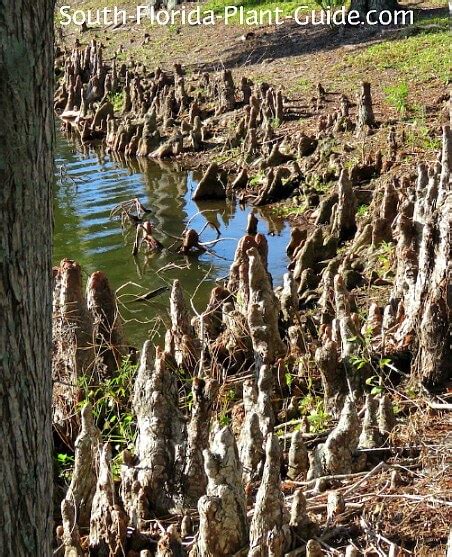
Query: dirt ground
(290, 56)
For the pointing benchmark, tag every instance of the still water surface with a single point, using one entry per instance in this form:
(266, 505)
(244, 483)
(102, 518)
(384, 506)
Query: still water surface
(90, 183)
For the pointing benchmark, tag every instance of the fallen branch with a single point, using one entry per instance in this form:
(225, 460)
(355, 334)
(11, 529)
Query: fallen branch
(151, 294)
(378, 467)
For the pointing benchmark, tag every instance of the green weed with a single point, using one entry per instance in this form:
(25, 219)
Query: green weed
(313, 408)
(302, 85)
(111, 402)
(289, 378)
(224, 415)
(257, 179)
(362, 211)
(117, 100)
(385, 257)
(64, 464)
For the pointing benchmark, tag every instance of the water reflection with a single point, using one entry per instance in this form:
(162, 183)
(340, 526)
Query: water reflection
(90, 183)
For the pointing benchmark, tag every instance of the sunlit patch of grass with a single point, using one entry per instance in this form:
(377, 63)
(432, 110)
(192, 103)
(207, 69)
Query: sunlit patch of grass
(418, 135)
(302, 85)
(417, 59)
(397, 97)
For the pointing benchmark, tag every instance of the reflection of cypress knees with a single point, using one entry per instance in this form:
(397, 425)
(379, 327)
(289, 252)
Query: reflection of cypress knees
(159, 118)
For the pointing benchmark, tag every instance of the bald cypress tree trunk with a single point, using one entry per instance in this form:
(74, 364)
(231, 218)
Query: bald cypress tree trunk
(26, 175)
(365, 6)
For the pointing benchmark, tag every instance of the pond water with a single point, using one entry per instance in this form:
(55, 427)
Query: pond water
(90, 183)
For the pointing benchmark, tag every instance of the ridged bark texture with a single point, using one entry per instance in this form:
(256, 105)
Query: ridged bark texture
(26, 177)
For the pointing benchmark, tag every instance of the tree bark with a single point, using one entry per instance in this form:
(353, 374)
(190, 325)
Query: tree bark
(26, 176)
(364, 6)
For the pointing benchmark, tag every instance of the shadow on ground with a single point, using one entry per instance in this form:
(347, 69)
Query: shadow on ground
(290, 40)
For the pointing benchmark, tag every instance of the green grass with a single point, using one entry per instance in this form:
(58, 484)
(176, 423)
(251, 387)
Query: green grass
(397, 97)
(442, 22)
(302, 85)
(418, 135)
(289, 211)
(416, 59)
(323, 187)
